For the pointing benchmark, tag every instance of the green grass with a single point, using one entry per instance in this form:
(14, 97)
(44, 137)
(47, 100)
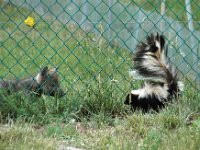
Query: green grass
(174, 9)
(95, 76)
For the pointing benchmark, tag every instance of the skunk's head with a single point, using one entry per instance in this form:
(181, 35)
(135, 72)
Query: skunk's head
(132, 100)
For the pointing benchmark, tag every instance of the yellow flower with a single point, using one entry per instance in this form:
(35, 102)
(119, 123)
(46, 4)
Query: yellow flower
(30, 21)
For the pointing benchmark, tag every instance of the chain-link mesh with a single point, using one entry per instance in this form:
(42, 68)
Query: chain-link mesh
(91, 40)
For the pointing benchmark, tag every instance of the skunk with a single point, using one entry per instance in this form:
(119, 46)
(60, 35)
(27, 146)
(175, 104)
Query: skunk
(161, 83)
(45, 82)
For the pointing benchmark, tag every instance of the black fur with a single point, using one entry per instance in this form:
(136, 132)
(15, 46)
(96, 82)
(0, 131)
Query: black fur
(150, 62)
(145, 104)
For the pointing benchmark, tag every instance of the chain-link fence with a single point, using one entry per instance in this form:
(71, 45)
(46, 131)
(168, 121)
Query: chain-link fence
(91, 40)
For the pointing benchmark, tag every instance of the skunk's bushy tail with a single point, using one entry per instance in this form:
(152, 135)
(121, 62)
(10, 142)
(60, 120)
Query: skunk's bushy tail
(150, 61)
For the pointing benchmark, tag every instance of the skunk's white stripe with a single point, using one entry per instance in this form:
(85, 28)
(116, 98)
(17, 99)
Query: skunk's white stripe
(158, 45)
(152, 64)
(137, 92)
(148, 90)
(136, 76)
(38, 78)
(162, 53)
(181, 86)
